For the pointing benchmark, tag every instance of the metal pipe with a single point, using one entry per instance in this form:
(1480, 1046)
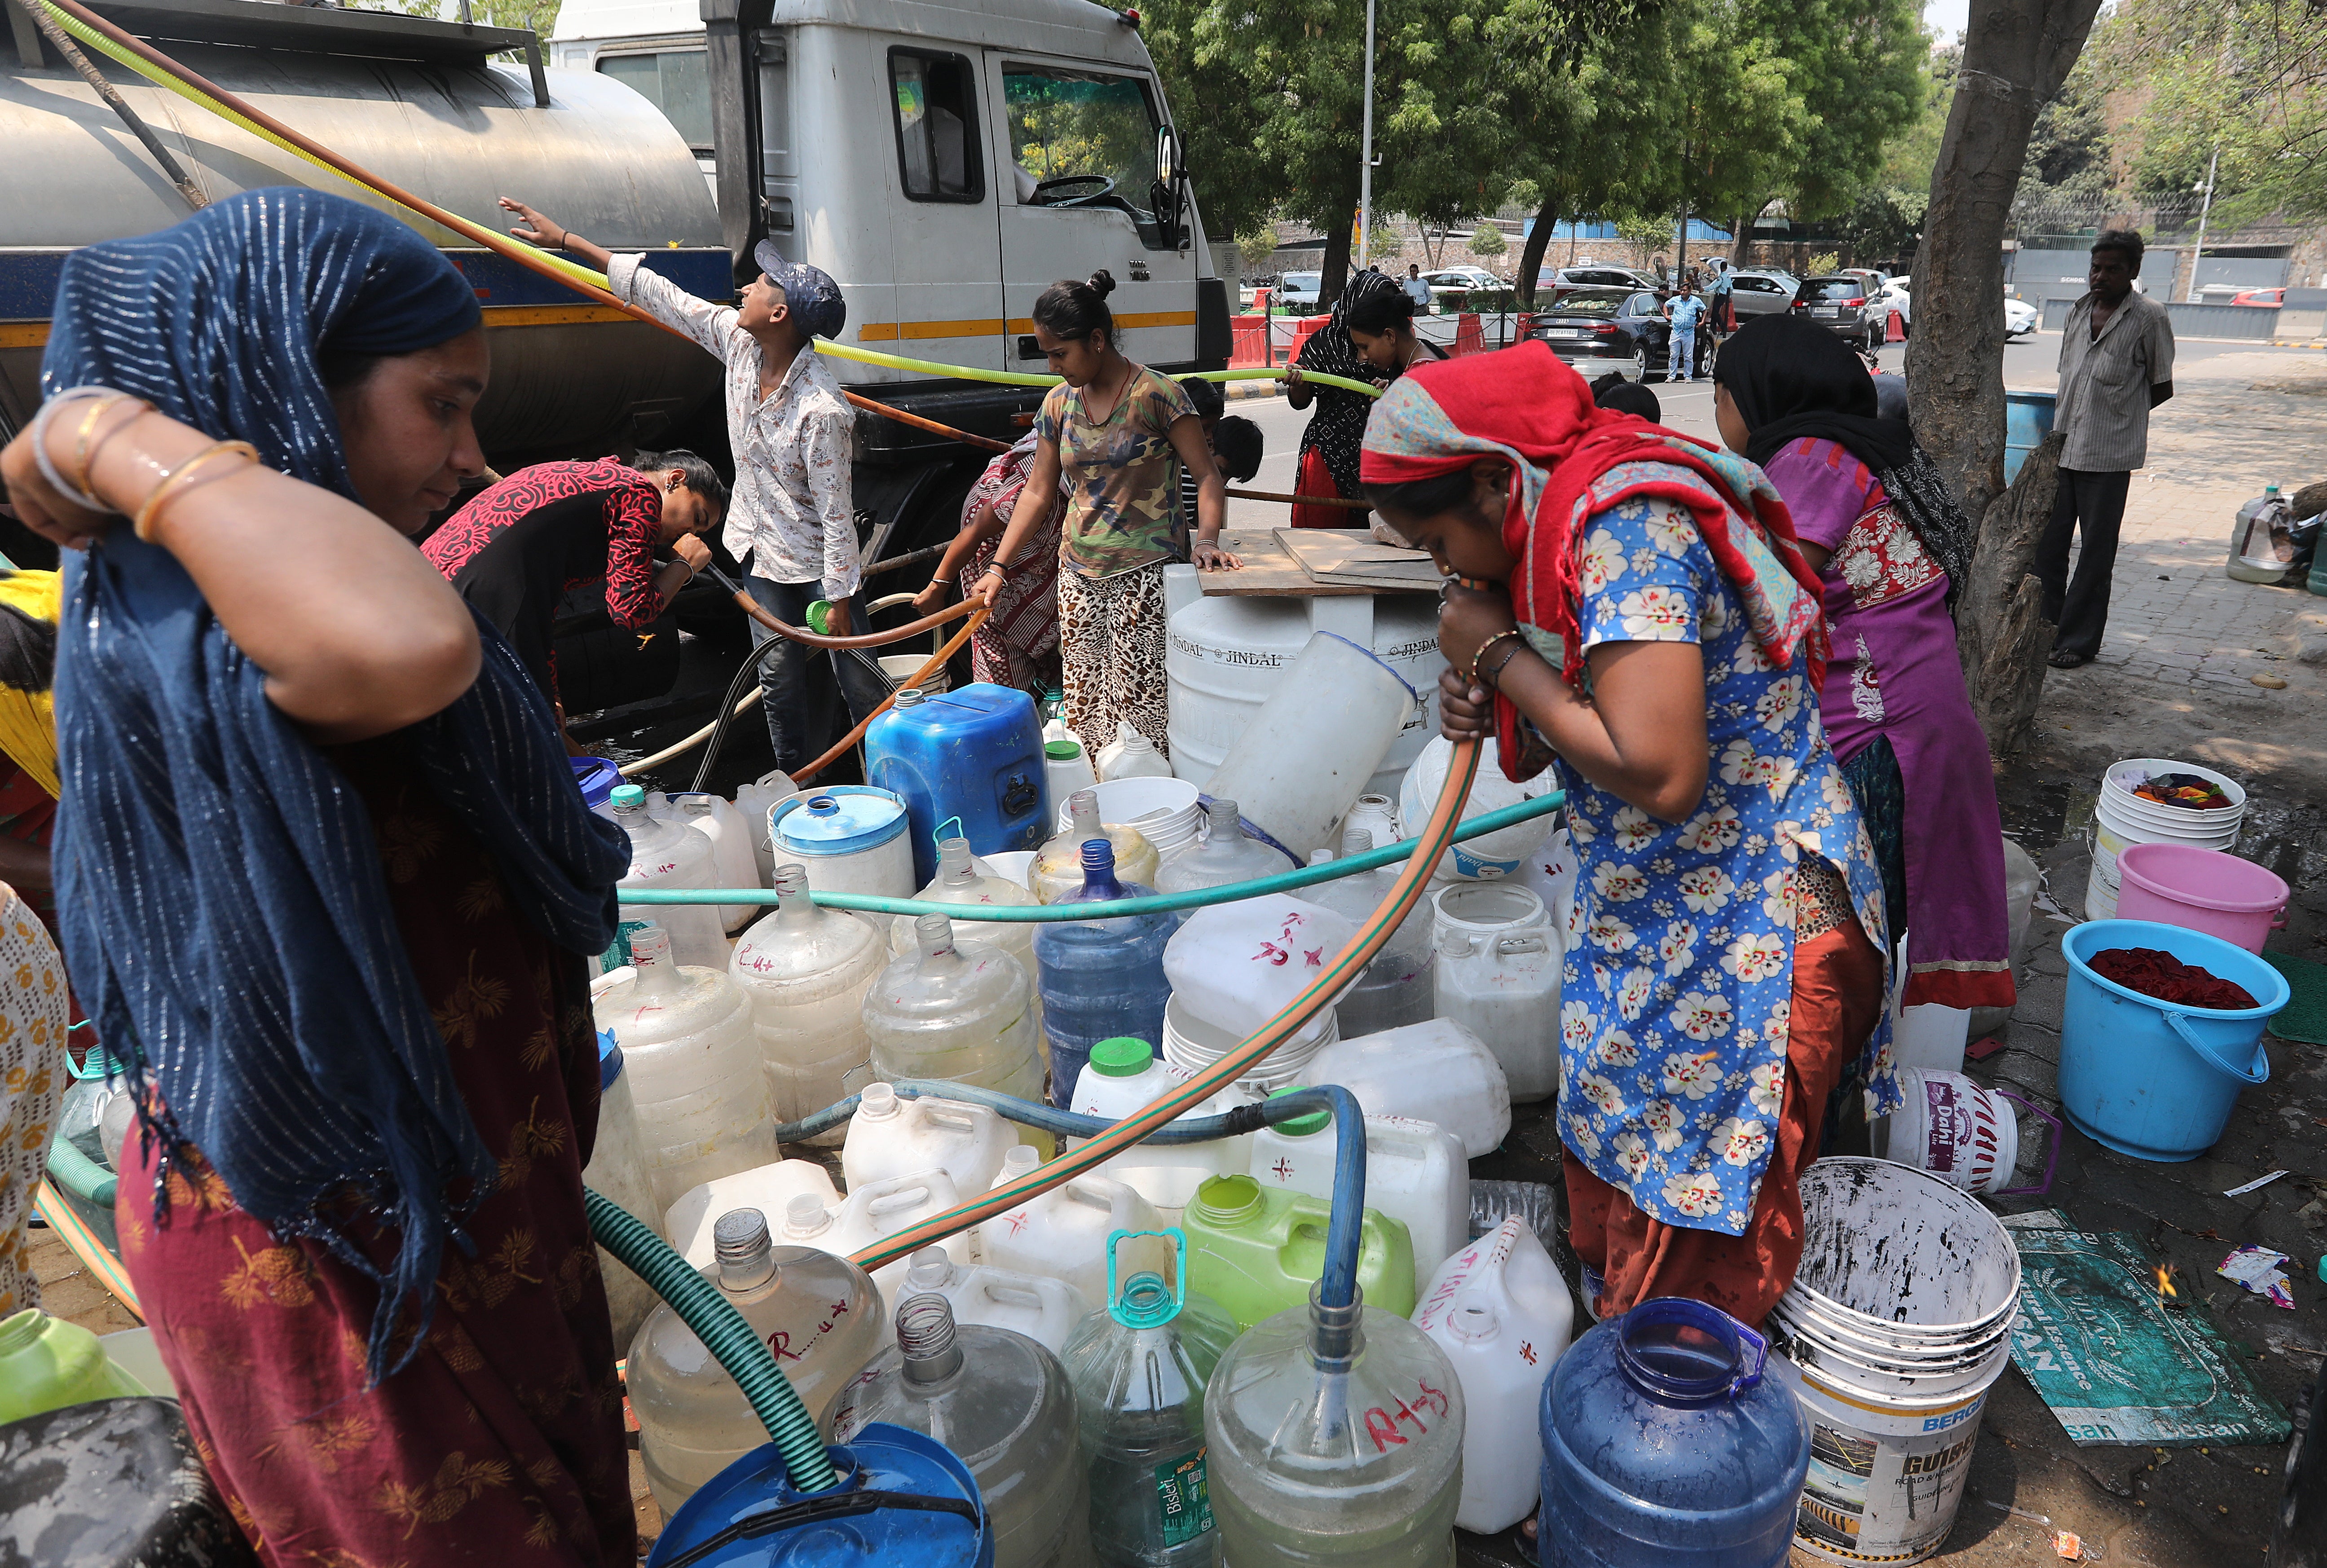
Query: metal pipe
(63, 42)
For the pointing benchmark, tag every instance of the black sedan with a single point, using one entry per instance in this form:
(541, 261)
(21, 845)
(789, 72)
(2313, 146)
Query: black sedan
(1600, 330)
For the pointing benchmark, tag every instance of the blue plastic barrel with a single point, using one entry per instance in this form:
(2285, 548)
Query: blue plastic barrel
(1101, 979)
(2150, 1079)
(2027, 421)
(597, 779)
(974, 756)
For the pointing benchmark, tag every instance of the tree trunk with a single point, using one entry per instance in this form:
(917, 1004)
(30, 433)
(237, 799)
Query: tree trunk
(1538, 240)
(2001, 636)
(1336, 267)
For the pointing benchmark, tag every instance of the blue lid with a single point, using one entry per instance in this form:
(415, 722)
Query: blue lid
(903, 1497)
(841, 820)
(597, 778)
(610, 1060)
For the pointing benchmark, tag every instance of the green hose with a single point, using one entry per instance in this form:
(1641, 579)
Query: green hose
(725, 1333)
(80, 1175)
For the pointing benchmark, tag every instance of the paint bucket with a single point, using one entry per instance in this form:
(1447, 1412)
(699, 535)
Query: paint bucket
(1965, 1134)
(2147, 1077)
(1897, 1323)
(2122, 819)
(2201, 889)
(2027, 421)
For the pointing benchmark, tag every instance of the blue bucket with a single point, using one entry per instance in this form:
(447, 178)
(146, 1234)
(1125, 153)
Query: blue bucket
(2144, 1077)
(2027, 421)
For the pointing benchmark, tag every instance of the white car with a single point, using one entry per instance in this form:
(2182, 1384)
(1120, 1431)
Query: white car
(2020, 318)
(1298, 290)
(1463, 277)
(1896, 296)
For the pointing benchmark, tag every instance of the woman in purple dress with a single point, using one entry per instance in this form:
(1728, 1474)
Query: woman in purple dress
(1893, 548)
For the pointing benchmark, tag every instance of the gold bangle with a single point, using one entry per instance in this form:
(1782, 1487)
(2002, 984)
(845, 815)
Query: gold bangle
(174, 483)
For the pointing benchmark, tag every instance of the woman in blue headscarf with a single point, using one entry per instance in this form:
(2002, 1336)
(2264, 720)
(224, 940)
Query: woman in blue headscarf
(325, 882)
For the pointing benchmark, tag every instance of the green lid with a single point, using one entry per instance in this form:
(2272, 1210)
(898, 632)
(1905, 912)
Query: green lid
(1227, 1199)
(1061, 750)
(1302, 1126)
(628, 795)
(1123, 1057)
(819, 617)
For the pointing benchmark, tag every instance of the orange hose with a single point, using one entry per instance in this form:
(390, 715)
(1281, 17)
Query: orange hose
(870, 639)
(937, 662)
(1254, 495)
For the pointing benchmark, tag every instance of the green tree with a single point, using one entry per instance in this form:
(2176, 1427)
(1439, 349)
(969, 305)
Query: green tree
(2069, 148)
(1886, 220)
(2248, 77)
(1486, 240)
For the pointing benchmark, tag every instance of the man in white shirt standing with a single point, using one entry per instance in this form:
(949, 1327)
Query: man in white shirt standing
(792, 518)
(1415, 289)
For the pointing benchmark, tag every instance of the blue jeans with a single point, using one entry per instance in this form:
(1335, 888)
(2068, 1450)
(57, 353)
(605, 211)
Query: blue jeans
(1684, 354)
(796, 698)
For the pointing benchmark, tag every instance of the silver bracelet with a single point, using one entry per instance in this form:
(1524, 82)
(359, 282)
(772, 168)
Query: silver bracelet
(39, 433)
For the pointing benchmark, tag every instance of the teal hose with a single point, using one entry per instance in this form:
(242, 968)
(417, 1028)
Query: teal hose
(1154, 903)
(80, 1175)
(725, 1333)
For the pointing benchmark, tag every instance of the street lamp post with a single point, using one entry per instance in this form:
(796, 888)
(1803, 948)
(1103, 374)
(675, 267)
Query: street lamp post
(2205, 209)
(1366, 157)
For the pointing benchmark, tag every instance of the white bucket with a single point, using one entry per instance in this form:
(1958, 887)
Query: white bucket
(1965, 1134)
(1886, 1475)
(897, 668)
(1165, 811)
(2122, 819)
(1192, 1045)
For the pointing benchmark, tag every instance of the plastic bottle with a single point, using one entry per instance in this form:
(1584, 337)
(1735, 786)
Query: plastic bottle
(47, 1363)
(1256, 1251)
(819, 1313)
(1045, 1309)
(1396, 989)
(1066, 766)
(1131, 755)
(618, 1168)
(959, 1012)
(666, 856)
(752, 802)
(1335, 1438)
(806, 969)
(686, 1033)
(733, 862)
(1500, 972)
(1226, 853)
(1437, 1072)
(1063, 1233)
(1125, 1076)
(1101, 979)
(1139, 1371)
(1500, 1312)
(1001, 1403)
(1416, 1173)
(1059, 869)
(962, 879)
(888, 1136)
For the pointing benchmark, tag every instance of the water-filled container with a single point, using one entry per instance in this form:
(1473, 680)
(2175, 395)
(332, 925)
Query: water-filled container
(1313, 747)
(1139, 1371)
(665, 855)
(1236, 965)
(1226, 853)
(969, 881)
(1130, 755)
(703, 1103)
(734, 862)
(1416, 1173)
(1059, 867)
(1396, 989)
(1499, 972)
(872, 1212)
(958, 1011)
(1066, 768)
(47, 1363)
(2027, 421)
(851, 837)
(1123, 1077)
(968, 764)
(806, 969)
(688, 1224)
(1665, 1443)
(1256, 1250)
(1063, 1233)
(1228, 654)
(1437, 1072)
(1963, 1132)
(1046, 1311)
(753, 802)
(1492, 855)
(2122, 819)
(819, 1313)
(618, 1171)
(1501, 1313)
(2202, 890)
(1001, 1403)
(889, 1136)
(2260, 551)
(1336, 1439)
(2149, 1078)
(1168, 812)
(1101, 979)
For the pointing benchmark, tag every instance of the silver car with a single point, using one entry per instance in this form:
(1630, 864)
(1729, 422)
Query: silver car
(1762, 291)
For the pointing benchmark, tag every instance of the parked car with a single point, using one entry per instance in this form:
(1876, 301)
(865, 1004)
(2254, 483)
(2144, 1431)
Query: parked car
(1461, 277)
(1600, 330)
(1897, 295)
(1762, 291)
(1840, 301)
(2020, 317)
(2260, 297)
(1552, 284)
(1297, 292)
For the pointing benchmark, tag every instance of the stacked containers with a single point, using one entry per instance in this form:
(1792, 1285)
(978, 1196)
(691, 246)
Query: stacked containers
(665, 855)
(2122, 819)
(806, 969)
(972, 757)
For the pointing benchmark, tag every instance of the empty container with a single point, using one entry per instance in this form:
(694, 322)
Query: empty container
(1396, 989)
(1063, 1232)
(1437, 1072)
(47, 1363)
(958, 1011)
(1125, 1076)
(1236, 965)
(688, 1224)
(871, 1213)
(1256, 1251)
(806, 969)
(852, 838)
(734, 862)
(753, 802)
(1498, 974)
(1045, 1309)
(966, 764)
(1490, 857)
(666, 857)
(1059, 867)
(1101, 979)
(1416, 1173)
(1130, 755)
(889, 1136)
(962, 879)
(1225, 854)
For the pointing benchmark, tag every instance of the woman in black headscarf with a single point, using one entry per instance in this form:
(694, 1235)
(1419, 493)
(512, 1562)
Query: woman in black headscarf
(1369, 338)
(1874, 518)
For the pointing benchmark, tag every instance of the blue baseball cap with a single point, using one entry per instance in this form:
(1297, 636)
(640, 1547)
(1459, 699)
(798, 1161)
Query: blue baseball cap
(815, 300)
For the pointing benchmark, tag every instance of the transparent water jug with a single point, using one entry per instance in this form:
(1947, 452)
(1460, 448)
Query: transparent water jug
(1139, 1370)
(97, 1095)
(1499, 970)
(733, 863)
(1256, 1251)
(1063, 1232)
(1437, 1072)
(1059, 869)
(618, 1170)
(688, 1224)
(873, 1213)
(818, 1313)
(1663, 1444)
(958, 1012)
(1396, 989)
(889, 1136)
(666, 856)
(1125, 1076)
(47, 1363)
(1001, 1403)
(752, 802)
(1236, 965)
(1501, 1313)
(1101, 979)
(1336, 1439)
(1226, 853)
(806, 969)
(1131, 755)
(962, 879)
(1416, 1173)
(1045, 1309)
(694, 1068)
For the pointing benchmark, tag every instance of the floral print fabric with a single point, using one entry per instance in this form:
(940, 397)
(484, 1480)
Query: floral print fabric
(1680, 949)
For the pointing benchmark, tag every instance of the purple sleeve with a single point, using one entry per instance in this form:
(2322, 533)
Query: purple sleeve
(1824, 486)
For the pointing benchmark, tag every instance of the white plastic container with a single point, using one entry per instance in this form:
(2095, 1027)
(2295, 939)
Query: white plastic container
(1123, 1077)
(1550, 873)
(1311, 749)
(1066, 766)
(1377, 814)
(851, 837)
(889, 1136)
(970, 881)
(618, 1171)
(703, 1104)
(1437, 1071)
(753, 801)
(1223, 855)
(1236, 965)
(1416, 1173)
(957, 1011)
(733, 862)
(1498, 974)
(1500, 1311)
(1042, 1308)
(806, 969)
(2122, 819)
(873, 1213)
(1062, 1233)
(687, 1224)
(1496, 854)
(1130, 755)
(664, 855)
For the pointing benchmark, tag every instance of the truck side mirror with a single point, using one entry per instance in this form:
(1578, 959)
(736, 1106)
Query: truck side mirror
(1169, 197)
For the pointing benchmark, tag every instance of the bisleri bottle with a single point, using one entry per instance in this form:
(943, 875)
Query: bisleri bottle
(957, 1013)
(1001, 1403)
(806, 969)
(1140, 1370)
(1059, 865)
(818, 1313)
(665, 855)
(1336, 1441)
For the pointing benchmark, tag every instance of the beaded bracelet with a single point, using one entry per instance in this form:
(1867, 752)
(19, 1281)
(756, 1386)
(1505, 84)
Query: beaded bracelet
(174, 482)
(1499, 636)
(1493, 679)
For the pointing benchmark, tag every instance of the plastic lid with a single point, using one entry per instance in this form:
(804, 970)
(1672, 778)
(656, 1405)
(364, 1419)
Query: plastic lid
(1123, 1057)
(1228, 1197)
(804, 1215)
(1302, 1126)
(628, 797)
(838, 821)
(1061, 750)
(610, 1060)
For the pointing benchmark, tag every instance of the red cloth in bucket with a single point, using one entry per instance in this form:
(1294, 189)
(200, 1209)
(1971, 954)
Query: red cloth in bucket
(2155, 973)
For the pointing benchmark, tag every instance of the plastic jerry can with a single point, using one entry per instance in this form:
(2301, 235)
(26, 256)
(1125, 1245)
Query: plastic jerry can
(1045, 1310)
(1416, 1173)
(47, 1363)
(1130, 755)
(972, 757)
(1437, 1072)
(873, 1213)
(618, 1170)
(1236, 965)
(1501, 1313)
(888, 1136)
(687, 1224)
(806, 969)
(1063, 1233)
(753, 802)
(734, 864)
(1123, 1077)
(1257, 1251)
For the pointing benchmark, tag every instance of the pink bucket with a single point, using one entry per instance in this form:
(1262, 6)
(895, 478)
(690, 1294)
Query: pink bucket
(2201, 889)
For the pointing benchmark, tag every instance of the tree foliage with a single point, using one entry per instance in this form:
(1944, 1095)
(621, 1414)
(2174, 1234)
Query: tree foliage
(2249, 76)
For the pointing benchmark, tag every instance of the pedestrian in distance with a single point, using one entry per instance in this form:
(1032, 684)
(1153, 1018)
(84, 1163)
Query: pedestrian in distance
(1684, 310)
(2116, 364)
(1415, 289)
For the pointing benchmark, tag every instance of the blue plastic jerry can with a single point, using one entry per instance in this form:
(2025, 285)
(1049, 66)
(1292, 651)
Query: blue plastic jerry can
(967, 762)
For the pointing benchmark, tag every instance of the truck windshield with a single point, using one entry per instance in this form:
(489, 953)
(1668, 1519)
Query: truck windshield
(1069, 123)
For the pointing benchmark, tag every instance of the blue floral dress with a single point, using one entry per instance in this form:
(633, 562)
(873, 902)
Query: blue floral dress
(1680, 956)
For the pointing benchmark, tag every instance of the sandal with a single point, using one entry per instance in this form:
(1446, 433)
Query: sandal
(2068, 660)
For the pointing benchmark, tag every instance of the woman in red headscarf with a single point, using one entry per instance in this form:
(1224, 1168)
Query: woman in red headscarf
(1628, 604)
